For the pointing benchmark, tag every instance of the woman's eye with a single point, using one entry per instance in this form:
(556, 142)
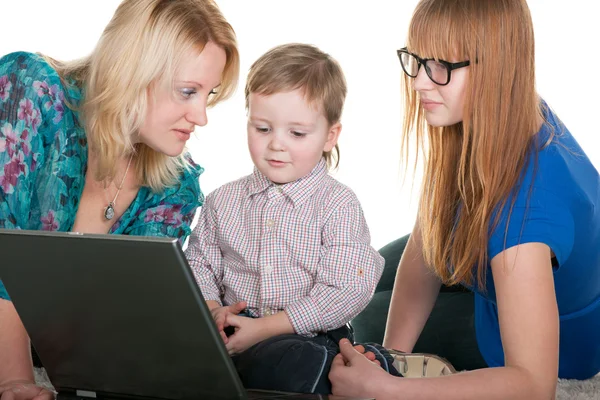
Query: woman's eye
(187, 93)
(212, 92)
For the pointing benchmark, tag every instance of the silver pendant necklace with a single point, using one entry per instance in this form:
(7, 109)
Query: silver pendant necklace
(109, 211)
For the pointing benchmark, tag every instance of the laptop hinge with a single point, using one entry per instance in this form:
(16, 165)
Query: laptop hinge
(85, 393)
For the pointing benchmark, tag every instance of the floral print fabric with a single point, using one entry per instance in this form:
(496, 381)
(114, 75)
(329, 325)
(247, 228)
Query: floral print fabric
(43, 160)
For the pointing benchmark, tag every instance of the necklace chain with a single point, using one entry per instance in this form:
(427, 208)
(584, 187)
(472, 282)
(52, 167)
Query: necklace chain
(109, 211)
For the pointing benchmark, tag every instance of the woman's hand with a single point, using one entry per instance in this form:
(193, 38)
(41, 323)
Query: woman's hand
(24, 390)
(352, 373)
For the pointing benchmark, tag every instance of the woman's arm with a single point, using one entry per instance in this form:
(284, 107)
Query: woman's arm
(529, 325)
(415, 291)
(16, 371)
(14, 346)
(32, 105)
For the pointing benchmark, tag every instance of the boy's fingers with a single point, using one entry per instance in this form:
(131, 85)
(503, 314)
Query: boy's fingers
(348, 351)
(360, 348)
(338, 360)
(370, 355)
(220, 323)
(224, 337)
(238, 307)
(233, 320)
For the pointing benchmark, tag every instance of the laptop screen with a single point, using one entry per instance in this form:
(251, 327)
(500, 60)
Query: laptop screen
(114, 314)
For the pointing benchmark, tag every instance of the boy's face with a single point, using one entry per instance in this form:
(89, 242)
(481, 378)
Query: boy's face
(286, 136)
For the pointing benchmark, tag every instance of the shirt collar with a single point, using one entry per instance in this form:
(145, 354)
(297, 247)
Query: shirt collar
(297, 191)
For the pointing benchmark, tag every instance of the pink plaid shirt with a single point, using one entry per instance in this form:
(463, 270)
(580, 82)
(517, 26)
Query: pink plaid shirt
(303, 248)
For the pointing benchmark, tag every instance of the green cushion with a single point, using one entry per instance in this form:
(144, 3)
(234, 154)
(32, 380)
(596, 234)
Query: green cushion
(449, 332)
(369, 325)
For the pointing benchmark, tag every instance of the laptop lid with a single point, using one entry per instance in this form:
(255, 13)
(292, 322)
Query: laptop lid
(116, 316)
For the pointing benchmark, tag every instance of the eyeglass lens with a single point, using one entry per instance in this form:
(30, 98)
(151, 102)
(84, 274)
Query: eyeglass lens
(437, 71)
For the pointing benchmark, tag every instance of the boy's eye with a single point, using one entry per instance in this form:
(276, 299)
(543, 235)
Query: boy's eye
(262, 129)
(298, 134)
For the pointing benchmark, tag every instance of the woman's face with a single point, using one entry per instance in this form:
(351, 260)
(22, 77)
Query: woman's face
(443, 105)
(172, 115)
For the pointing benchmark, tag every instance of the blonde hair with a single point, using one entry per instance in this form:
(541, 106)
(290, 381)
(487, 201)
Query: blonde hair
(301, 66)
(141, 48)
(471, 168)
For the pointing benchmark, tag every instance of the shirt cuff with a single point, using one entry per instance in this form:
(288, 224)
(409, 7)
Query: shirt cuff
(305, 317)
(209, 293)
(212, 297)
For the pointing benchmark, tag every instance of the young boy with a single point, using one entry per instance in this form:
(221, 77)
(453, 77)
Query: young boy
(287, 245)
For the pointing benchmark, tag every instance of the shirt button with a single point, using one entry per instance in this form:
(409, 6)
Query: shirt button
(267, 311)
(268, 269)
(279, 189)
(270, 223)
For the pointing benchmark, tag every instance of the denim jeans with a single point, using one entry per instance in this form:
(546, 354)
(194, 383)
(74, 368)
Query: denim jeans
(298, 364)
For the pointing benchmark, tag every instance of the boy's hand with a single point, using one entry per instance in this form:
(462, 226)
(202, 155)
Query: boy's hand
(250, 331)
(220, 314)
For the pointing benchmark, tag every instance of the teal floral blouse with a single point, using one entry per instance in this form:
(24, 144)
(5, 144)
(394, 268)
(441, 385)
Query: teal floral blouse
(43, 159)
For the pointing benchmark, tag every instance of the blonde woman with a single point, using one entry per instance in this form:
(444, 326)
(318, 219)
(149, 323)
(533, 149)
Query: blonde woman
(97, 145)
(509, 209)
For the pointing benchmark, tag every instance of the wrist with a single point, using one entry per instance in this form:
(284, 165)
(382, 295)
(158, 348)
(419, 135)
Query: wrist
(397, 344)
(277, 324)
(17, 381)
(384, 388)
(212, 304)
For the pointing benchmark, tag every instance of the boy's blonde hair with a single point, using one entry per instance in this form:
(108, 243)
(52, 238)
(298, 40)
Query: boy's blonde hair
(140, 49)
(301, 66)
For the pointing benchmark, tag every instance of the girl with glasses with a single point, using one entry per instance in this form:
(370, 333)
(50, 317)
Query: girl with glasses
(508, 210)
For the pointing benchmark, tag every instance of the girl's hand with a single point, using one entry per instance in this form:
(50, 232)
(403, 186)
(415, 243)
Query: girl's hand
(352, 372)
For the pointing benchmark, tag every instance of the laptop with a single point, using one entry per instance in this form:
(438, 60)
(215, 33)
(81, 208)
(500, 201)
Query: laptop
(119, 317)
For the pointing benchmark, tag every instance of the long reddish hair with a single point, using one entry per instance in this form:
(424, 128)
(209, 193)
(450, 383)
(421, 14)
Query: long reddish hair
(472, 167)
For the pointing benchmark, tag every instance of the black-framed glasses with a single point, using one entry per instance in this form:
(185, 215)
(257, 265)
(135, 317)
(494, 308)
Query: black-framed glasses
(439, 71)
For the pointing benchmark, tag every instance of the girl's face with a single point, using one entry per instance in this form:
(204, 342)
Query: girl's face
(443, 105)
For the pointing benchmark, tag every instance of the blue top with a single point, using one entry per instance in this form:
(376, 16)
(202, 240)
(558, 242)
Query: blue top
(43, 161)
(562, 210)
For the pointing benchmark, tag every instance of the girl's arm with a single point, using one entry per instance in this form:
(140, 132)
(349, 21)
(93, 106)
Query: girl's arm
(529, 326)
(415, 290)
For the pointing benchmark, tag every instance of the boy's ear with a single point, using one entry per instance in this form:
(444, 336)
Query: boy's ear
(332, 136)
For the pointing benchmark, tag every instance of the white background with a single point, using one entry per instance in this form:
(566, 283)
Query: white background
(363, 37)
